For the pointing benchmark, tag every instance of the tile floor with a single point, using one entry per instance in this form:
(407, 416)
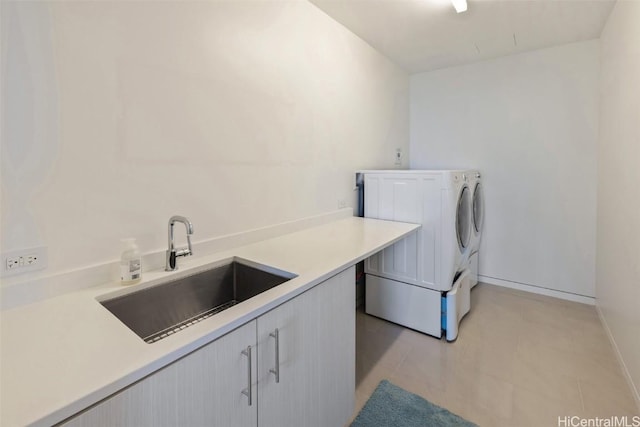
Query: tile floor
(520, 360)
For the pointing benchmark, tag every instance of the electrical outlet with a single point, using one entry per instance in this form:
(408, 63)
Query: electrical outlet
(24, 260)
(342, 204)
(398, 158)
(12, 263)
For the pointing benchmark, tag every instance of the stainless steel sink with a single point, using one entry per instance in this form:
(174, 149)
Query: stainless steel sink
(157, 312)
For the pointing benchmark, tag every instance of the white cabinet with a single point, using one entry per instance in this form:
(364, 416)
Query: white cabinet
(316, 338)
(316, 349)
(202, 389)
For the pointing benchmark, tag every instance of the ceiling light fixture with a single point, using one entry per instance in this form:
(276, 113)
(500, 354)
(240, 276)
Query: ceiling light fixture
(460, 5)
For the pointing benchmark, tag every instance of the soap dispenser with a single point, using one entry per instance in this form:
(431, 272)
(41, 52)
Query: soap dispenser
(130, 263)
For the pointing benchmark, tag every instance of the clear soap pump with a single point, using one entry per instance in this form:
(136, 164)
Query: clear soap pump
(130, 263)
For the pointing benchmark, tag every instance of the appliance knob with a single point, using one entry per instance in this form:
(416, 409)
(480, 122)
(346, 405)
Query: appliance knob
(478, 175)
(464, 177)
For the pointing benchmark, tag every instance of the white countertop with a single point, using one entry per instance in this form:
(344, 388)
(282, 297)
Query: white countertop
(66, 353)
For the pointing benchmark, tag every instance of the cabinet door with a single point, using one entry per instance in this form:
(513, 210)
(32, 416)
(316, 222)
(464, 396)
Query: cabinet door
(316, 337)
(395, 197)
(203, 388)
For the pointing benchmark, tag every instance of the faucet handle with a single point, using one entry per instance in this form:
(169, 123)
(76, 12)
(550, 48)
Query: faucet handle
(181, 252)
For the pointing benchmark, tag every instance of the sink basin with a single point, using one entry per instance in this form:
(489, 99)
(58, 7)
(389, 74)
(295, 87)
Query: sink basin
(157, 312)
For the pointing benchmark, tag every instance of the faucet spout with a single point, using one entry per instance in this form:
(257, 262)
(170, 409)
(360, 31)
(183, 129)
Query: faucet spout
(172, 252)
(182, 219)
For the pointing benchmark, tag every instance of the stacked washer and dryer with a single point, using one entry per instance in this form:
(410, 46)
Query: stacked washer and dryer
(423, 281)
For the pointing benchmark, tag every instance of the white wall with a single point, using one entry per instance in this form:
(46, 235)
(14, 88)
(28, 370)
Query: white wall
(529, 123)
(618, 256)
(237, 114)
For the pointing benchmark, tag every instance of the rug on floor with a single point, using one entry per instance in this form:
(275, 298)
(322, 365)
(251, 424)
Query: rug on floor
(391, 406)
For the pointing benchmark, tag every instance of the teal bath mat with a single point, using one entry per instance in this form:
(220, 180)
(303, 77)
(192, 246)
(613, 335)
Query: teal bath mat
(391, 406)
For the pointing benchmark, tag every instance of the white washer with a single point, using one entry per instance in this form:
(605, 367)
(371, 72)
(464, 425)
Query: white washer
(408, 283)
(477, 221)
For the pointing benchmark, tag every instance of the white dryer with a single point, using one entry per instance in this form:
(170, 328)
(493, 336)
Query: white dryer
(408, 282)
(477, 221)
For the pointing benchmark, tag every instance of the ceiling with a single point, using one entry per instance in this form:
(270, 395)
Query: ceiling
(423, 35)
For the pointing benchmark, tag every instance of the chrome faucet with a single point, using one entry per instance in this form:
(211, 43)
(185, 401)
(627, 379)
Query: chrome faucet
(172, 252)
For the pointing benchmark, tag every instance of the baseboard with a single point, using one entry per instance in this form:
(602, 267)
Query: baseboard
(29, 288)
(538, 290)
(634, 390)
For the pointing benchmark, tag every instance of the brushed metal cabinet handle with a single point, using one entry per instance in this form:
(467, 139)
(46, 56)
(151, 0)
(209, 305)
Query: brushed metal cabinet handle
(247, 391)
(276, 371)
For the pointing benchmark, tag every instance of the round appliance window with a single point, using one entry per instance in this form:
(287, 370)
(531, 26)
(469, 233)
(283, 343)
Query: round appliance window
(463, 220)
(478, 208)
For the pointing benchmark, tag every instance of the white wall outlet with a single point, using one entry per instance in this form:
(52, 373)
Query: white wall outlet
(398, 158)
(342, 203)
(24, 260)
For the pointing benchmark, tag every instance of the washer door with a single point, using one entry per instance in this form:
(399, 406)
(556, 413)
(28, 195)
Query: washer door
(463, 220)
(478, 208)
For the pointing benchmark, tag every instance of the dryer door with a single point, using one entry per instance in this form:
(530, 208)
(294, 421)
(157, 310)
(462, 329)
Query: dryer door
(478, 208)
(463, 220)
